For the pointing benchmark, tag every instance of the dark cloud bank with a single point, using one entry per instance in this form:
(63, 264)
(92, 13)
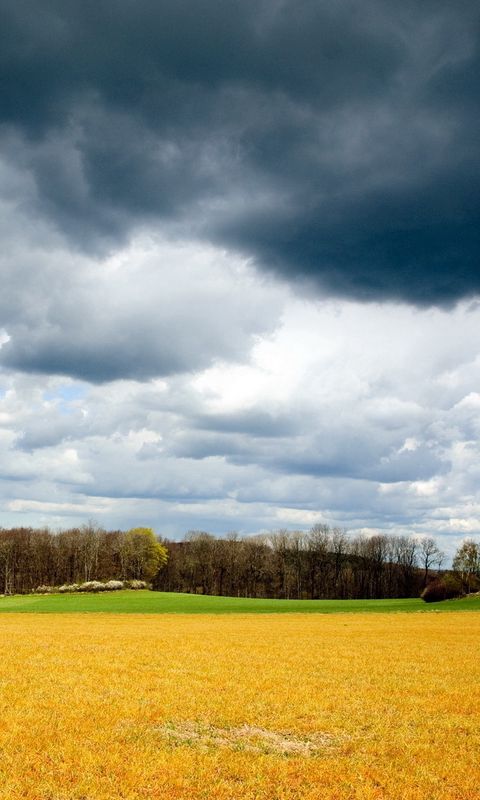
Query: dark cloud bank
(336, 142)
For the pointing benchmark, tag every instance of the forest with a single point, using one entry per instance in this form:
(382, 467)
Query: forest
(322, 563)
(30, 558)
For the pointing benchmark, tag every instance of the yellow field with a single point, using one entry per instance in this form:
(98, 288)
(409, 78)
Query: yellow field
(232, 707)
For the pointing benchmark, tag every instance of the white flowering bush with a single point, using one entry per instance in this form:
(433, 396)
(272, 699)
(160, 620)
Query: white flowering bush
(114, 586)
(92, 586)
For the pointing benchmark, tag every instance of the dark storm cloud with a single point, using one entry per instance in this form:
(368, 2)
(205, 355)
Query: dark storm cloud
(335, 142)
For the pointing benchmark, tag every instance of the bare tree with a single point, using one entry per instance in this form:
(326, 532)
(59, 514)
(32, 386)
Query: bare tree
(430, 555)
(317, 550)
(467, 563)
(405, 550)
(89, 543)
(7, 548)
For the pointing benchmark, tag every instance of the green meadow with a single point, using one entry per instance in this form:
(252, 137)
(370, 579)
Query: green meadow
(146, 602)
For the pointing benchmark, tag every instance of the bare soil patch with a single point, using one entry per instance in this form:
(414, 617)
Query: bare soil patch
(250, 738)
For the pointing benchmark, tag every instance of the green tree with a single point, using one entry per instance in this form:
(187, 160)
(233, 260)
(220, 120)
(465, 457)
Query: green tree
(141, 554)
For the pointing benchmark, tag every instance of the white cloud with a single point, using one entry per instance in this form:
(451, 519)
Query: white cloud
(195, 392)
(331, 417)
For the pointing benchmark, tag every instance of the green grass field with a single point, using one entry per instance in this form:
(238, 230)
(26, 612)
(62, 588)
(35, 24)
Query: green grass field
(145, 602)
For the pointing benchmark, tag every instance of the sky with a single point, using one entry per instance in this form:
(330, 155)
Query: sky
(240, 265)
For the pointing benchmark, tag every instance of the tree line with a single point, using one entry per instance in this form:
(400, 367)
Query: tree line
(30, 558)
(322, 563)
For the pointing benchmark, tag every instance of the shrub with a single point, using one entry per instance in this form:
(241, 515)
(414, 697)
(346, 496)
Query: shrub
(136, 584)
(114, 586)
(92, 586)
(444, 588)
(434, 592)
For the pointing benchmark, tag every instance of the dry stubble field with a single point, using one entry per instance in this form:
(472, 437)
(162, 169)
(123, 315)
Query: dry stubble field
(103, 707)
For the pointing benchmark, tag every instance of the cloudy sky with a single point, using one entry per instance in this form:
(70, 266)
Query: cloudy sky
(240, 265)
